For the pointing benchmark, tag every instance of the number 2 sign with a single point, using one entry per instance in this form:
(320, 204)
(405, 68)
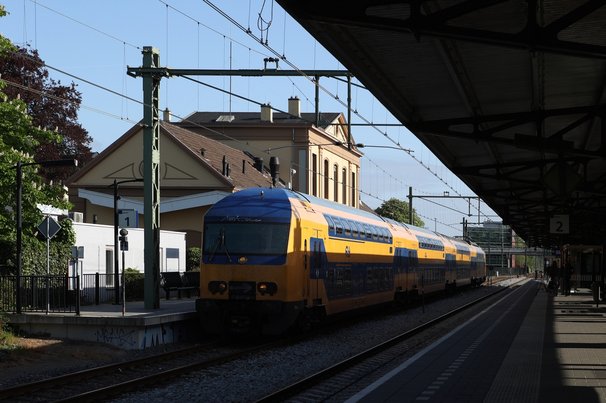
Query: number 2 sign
(559, 224)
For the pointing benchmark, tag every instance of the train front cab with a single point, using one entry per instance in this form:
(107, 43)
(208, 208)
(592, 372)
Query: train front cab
(246, 277)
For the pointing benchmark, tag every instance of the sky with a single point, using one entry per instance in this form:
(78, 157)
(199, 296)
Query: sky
(93, 43)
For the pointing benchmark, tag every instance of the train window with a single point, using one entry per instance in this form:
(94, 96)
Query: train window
(346, 227)
(354, 229)
(331, 224)
(226, 239)
(386, 235)
(338, 225)
(373, 229)
(367, 231)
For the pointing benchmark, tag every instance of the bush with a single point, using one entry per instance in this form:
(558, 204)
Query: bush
(193, 256)
(134, 284)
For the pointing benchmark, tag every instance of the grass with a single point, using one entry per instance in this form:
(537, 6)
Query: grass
(8, 341)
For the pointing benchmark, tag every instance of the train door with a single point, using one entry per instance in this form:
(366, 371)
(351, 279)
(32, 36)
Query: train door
(412, 272)
(318, 269)
(450, 275)
(399, 268)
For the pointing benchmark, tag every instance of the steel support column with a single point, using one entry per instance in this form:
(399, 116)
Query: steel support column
(151, 72)
(151, 177)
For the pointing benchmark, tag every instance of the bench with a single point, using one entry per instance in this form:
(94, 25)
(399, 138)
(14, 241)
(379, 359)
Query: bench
(173, 281)
(191, 281)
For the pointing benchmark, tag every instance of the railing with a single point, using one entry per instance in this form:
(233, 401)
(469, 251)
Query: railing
(97, 289)
(56, 293)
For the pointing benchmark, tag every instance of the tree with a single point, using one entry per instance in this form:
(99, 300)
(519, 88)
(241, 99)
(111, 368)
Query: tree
(399, 210)
(51, 106)
(19, 140)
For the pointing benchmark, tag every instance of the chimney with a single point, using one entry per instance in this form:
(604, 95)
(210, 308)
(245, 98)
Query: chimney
(274, 169)
(258, 164)
(267, 114)
(294, 106)
(166, 115)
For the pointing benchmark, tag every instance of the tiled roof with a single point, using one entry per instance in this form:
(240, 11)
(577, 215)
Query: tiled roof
(213, 154)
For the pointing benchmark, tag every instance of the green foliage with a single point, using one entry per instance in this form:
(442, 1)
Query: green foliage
(57, 113)
(398, 210)
(193, 256)
(19, 141)
(5, 44)
(7, 338)
(34, 251)
(134, 284)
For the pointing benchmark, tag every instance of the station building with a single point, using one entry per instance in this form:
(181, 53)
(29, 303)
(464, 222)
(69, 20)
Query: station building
(212, 154)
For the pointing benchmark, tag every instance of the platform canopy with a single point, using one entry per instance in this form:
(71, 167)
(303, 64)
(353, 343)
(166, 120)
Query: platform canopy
(510, 95)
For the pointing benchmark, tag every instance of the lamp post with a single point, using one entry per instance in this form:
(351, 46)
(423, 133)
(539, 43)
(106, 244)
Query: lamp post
(123, 248)
(19, 219)
(116, 239)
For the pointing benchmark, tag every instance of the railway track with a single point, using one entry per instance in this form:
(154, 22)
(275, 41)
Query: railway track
(326, 384)
(119, 378)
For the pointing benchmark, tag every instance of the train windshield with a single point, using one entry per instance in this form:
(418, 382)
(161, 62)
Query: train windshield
(226, 242)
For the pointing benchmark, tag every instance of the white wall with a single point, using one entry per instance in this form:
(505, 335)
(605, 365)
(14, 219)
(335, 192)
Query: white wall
(96, 239)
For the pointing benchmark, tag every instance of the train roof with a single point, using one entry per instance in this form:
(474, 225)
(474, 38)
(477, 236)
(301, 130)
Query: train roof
(252, 204)
(281, 208)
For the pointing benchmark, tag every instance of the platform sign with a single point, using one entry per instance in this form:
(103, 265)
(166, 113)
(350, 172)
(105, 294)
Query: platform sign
(78, 252)
(559, 224)
(128, 218)
(49, 227)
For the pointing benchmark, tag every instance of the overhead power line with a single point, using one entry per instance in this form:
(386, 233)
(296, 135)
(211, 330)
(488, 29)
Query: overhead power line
(201, 83)
(293, 66)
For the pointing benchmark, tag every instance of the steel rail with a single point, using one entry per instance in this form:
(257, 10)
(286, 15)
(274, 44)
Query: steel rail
(57, 381)
(312, 380)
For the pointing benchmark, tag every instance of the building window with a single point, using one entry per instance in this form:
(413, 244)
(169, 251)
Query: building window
(353, 189)
(335, 175)
(326, 180)
(314, 174)
(344, 185)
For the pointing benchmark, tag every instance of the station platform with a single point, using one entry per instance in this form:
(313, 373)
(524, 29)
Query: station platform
(134, 328)
(532, 347)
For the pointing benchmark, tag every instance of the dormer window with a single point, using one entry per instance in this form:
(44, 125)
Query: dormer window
(226, 118)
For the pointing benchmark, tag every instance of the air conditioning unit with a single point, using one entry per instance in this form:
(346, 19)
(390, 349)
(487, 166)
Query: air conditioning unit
(76, 216)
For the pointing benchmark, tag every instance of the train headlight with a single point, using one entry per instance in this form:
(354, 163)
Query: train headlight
(217, 287)
(267, 288)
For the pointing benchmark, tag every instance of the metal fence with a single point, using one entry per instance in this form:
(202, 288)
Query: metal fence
(56, 293)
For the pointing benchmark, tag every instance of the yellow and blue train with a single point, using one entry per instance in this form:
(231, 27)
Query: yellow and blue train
(274, 258)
